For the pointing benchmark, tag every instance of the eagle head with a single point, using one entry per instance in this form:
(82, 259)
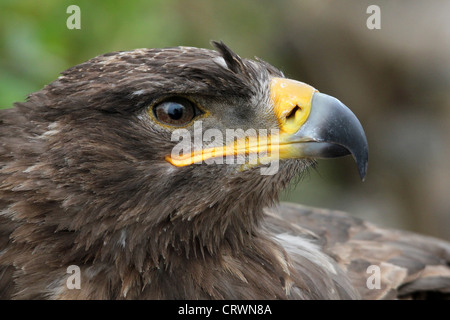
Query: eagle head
(142, 157)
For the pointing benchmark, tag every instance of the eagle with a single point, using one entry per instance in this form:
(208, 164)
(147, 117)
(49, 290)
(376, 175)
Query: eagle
(156, 173)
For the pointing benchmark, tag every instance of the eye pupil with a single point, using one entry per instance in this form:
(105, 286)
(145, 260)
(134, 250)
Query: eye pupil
(175, 111)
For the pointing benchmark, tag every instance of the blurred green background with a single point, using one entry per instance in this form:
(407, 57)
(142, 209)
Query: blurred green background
(396, 80)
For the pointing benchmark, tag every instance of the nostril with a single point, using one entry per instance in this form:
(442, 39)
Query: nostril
(292, 113)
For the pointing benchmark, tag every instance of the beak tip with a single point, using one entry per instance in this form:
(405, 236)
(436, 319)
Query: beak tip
(363, 172)
(362, 163)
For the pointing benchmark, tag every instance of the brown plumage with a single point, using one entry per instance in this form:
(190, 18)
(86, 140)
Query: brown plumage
(84, 181)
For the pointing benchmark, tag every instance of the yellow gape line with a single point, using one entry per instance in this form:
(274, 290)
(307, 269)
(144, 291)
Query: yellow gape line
(268, 146)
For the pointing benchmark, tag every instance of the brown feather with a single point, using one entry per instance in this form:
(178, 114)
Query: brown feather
(411, 265)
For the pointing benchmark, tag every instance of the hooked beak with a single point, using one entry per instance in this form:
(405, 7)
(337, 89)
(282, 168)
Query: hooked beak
(316, 125)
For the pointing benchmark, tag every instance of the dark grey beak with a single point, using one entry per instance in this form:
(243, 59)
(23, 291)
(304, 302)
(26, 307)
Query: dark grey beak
(331, 131)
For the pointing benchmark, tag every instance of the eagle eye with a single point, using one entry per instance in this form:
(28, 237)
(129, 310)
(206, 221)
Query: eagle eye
(175, 111)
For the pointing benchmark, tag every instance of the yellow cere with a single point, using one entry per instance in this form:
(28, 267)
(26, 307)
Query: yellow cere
(292, 103)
